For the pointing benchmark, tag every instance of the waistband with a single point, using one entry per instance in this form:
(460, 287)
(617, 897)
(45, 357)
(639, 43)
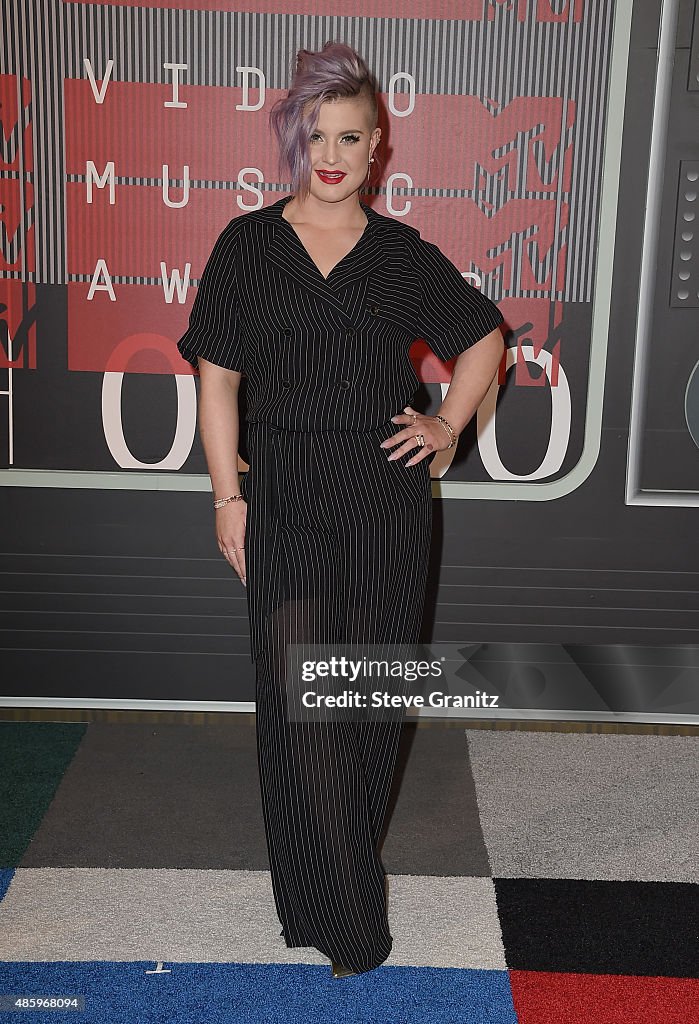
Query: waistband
(275, 428)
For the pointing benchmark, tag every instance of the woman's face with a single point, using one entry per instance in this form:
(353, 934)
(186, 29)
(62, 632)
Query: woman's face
(342, 142)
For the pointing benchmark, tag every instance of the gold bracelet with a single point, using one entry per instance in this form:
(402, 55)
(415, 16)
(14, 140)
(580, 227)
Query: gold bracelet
(220, 502)
(450, 430)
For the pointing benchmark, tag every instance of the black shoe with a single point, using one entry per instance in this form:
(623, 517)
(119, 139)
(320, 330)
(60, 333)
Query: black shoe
(340, 971)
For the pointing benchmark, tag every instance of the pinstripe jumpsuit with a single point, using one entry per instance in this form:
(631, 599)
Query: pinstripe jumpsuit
(337, 537)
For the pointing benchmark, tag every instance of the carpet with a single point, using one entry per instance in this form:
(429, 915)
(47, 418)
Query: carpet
(534, 878)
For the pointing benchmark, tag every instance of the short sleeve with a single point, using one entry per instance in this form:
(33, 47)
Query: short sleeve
(453, 313)
(214, 328)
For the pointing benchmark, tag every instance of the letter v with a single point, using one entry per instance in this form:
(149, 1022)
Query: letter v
(100, 93)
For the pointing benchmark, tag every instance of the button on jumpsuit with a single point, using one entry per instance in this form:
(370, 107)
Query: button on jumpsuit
(337, 537)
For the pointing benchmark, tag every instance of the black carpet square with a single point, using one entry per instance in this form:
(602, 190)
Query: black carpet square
(632, 928)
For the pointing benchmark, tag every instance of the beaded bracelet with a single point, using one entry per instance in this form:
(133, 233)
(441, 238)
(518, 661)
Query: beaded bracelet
(450, 430)
(220, 502)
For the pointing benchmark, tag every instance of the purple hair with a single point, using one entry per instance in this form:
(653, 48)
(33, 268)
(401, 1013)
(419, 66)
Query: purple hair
(335, 72)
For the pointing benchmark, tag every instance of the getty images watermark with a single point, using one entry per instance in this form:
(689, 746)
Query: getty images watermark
(377, 682)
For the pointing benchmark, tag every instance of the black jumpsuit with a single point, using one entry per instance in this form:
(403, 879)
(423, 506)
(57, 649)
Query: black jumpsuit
(337, 537)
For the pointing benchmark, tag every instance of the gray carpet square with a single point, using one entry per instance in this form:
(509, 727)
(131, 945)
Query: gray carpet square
(176, 796)
(434, 827)
(588, 806)
(88, 914)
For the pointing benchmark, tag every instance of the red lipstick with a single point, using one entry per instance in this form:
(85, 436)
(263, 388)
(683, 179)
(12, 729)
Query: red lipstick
(331, 177)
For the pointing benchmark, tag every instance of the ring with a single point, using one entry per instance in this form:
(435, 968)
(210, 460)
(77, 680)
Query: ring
(414, 415)
(420, 438)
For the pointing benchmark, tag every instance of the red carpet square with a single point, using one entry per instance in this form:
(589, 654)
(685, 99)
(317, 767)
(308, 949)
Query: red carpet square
(543, 998)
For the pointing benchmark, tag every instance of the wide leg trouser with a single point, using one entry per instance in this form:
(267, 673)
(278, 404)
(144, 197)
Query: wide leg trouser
(337, 551)
(325, 787)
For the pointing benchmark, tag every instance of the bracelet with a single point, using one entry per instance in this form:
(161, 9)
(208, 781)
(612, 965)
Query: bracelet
(450, 430)
(220, 502)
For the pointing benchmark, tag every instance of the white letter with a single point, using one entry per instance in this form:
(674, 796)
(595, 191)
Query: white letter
(91, 175)
(411, 93)
(99, 96)
(246, 187)
(389, 196)
(114, 428)
(175, 101)
(175, 281)
(101, 268)
(166, 188)
(560, 421)
(246, 87)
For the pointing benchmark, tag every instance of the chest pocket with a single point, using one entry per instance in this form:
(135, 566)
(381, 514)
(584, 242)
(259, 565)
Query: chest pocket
(393, 299)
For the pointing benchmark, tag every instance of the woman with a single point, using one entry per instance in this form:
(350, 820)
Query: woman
(317, 298)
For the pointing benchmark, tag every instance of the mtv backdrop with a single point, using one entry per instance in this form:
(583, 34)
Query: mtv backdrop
(161, 135)
(133, 133)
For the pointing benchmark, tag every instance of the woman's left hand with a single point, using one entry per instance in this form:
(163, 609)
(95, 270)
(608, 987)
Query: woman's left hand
(434, 433)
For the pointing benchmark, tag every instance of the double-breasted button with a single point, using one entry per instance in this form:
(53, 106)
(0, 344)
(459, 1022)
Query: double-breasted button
(374, 310)
(287, 331)
(350, 332)
(286, 383)
(344, 383)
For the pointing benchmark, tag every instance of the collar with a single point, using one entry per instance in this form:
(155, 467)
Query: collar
(286, 250)
(274, 210)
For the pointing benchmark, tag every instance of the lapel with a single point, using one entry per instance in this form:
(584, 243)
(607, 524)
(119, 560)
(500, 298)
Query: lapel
(287, 252)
